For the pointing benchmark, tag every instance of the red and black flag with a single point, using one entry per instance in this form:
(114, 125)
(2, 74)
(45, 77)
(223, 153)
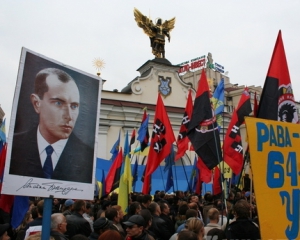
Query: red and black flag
(277, 99)
(182, 139)
(161, 140)
(217, 184)
(233, 149)
(113, 177)
(203, 130)
(146, 182)
(204, 172)
(132, 139)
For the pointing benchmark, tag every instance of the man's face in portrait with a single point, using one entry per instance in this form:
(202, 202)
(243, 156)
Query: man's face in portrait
(58, 109)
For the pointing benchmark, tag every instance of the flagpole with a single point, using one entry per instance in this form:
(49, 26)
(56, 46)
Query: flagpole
(251, 188)
(176, 177)
(246, 156)
(186, 175)
(221, 176)
(162, 177)
(173, 180)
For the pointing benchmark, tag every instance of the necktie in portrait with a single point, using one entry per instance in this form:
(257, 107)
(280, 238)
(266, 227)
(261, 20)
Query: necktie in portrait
(48, 166)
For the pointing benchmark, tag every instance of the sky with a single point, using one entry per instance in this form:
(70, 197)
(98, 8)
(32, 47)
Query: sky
(240, 35)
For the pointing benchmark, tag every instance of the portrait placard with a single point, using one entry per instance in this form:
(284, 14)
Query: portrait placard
(274, 150)
(53, 131)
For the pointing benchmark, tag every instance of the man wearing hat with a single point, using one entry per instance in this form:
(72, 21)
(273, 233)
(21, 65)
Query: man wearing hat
(100, 226)
(68, 207)
(135, 228)
(3, 231)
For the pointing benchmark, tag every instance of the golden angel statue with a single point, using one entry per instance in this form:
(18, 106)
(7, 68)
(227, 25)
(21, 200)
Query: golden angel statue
(156, 32)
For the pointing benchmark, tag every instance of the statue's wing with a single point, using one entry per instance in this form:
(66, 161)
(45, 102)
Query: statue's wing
(169, 24)
(143, 22)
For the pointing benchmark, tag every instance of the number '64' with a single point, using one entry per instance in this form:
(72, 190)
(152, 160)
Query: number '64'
(278, 169)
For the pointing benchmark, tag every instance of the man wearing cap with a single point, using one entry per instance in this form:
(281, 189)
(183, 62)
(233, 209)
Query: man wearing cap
(68, 207)
(135, 228)
(3, 231)
(100, 226)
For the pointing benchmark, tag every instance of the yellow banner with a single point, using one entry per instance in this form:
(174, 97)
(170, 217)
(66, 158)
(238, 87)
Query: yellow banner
(275, 161)
(225, 169)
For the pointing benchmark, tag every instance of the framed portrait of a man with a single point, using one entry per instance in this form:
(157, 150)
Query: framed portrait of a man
(53, 130)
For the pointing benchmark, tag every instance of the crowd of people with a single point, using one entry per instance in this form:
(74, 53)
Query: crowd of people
(160, 217)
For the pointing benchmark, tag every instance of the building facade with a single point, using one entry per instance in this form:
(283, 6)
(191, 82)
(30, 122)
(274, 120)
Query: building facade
(123, 110)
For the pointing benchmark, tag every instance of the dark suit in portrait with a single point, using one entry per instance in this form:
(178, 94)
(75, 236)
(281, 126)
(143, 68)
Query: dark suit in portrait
(74, 164)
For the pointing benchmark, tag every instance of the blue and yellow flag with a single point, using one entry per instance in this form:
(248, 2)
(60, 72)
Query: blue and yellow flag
(125, 186)
(101, 184)
(115, 149)
(218, 102)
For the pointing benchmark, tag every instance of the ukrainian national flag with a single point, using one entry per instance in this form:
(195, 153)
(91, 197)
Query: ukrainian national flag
(101, 184)
(125, 186)
(218, 102)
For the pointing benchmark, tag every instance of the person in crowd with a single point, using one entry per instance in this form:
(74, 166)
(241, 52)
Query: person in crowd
(135, 229)
(34, 212)
(165, 215)
(190, 213)
(76, 222)
(193, 224)
(100, 226)
(147, 199)
(68, 207)
(105, 204)
(215, 234)
(3, 231)
(195, 199)
(55, 206)
(213, 216)
(134, 208)
(37, 236)
(230, 201)
(242, 227)
(180, 195)
(20, 230)
(58, 226)
(35, 226)
(195, 206)
(121, 216)
(114, 217)
(159, 226)
(222, 215)
(88, 215)
(186, 234)
(208, 197)
(145, 213)
(79, 237)
(181, 216)
(196, 225)
(111, 234)
(31, 205)
(96, 207)
(37, 221)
